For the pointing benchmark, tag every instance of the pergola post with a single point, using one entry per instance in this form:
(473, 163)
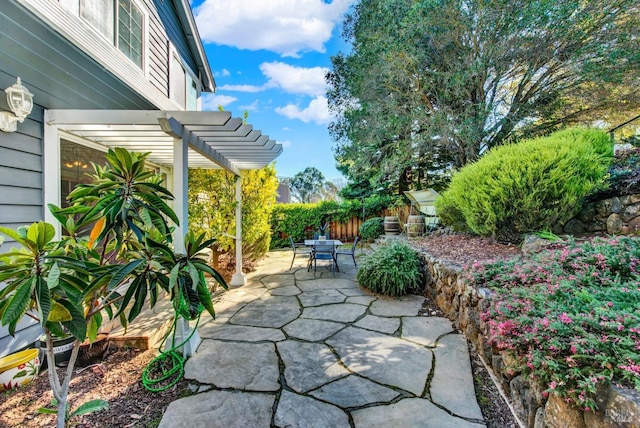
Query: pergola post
(180, 192)
(239, 278)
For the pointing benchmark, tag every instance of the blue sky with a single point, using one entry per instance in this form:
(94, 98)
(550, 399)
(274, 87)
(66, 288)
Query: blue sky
(270, 57)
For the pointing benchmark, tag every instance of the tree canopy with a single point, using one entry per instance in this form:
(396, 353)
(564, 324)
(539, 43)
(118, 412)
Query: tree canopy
(430, 85)
(307, 185)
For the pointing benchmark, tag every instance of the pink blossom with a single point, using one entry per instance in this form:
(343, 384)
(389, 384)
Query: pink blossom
(564, 318)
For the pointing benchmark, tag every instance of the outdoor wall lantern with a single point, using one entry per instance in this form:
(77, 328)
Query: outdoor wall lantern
(20, 102)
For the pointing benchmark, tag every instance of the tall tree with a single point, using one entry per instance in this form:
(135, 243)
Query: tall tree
(431, 84)
(307, 184)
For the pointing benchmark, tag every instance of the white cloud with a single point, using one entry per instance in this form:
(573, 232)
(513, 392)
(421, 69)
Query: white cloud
(285, 143)
(317, 111)
(211, 101)
(225, 72)
(295, 80)
(289, 78)
(254, 106)
(287, 27)
(243, 88)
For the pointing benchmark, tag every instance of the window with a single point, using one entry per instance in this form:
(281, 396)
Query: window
(75, 164)
(130, 31)
(178, 81)
(127, 34)
(183, 85)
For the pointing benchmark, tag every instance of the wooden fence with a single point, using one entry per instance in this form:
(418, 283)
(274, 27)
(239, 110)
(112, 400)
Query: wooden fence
(348, 230)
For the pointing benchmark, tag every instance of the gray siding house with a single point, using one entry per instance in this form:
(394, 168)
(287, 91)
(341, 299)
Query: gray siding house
(108, 73)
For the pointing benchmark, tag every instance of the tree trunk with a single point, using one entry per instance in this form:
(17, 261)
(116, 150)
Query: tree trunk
(215, 256)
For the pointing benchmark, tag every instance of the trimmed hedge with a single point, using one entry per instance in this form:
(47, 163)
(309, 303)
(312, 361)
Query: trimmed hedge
(529, 186)
(295, 220)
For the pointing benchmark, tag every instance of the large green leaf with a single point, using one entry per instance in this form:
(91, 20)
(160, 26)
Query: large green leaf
(141, 295)
(54, 276)
(94, 326)
(12, 234)
(78, 325)
(122, 273)
(90, 407)
(43, 298)
(19, 302)
(59, 313)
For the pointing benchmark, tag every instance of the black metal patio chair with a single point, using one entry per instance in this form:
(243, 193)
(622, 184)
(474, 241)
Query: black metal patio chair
(323, 250)
(300, 249)
(349, 252)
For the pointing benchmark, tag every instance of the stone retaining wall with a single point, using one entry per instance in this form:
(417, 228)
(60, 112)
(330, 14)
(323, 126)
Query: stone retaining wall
(615, 216)
(463, 304)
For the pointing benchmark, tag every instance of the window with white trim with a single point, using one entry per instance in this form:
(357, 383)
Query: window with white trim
(183, 86)
(120, 21)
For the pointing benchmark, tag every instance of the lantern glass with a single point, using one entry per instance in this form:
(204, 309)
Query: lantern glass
(20, 100)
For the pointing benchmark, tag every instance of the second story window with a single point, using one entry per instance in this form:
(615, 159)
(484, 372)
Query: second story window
(120, 21)
(130, 31)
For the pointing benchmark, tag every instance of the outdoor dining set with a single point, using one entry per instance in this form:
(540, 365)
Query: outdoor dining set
(326, 249)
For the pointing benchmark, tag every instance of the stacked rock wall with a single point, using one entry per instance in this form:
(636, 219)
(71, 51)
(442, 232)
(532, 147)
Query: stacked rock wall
(615, 216)
(463, 304)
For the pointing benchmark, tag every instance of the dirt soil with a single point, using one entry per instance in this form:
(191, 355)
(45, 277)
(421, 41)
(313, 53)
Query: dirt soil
(117, 378)
(464, 250)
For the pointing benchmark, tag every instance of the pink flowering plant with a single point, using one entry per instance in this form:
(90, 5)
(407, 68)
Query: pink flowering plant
(569, 316)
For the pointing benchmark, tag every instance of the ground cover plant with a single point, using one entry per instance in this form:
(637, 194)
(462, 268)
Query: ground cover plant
(529, 186)
(392, 269)
(568, 316)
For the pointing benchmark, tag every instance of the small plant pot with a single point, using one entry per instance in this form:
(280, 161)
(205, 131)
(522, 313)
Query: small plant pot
(322, 237)
(19, 369)
(62, 347)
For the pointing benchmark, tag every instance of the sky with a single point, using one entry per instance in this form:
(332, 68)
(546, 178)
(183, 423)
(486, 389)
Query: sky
(269, 57)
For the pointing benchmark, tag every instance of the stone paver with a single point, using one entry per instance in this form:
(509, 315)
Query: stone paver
(385, 359)
(312, 330)
(354, 391)
(309, 365)
(408, 413)
(451, 377)
(220, 409)
(343, 312)
(293, 350)
(321, 297)
(383, 325)
(275, 312)
(300, 411)
(425, 330)
(397, 307)
(241, 333)
(244, 366)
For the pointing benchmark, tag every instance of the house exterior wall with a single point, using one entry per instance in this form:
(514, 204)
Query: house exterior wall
(68, 66)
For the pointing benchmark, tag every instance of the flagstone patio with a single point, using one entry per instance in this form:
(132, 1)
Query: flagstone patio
(293, 350)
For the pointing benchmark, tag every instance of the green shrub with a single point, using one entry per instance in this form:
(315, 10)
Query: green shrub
(569, 316)
(372, 228)
(529, 186)
(301, 220)
(392, 269)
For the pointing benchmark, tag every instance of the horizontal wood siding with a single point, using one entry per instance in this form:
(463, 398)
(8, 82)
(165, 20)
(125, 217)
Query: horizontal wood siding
(158, 50)
(173, 30)
(21, 179)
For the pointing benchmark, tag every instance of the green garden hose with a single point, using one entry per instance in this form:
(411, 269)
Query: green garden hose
(168, 367)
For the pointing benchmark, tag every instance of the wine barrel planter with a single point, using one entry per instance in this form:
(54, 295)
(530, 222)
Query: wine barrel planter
(391, 225)
(415, 225)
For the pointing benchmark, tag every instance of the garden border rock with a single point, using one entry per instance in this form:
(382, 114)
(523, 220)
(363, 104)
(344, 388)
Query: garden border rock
(463, 304)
